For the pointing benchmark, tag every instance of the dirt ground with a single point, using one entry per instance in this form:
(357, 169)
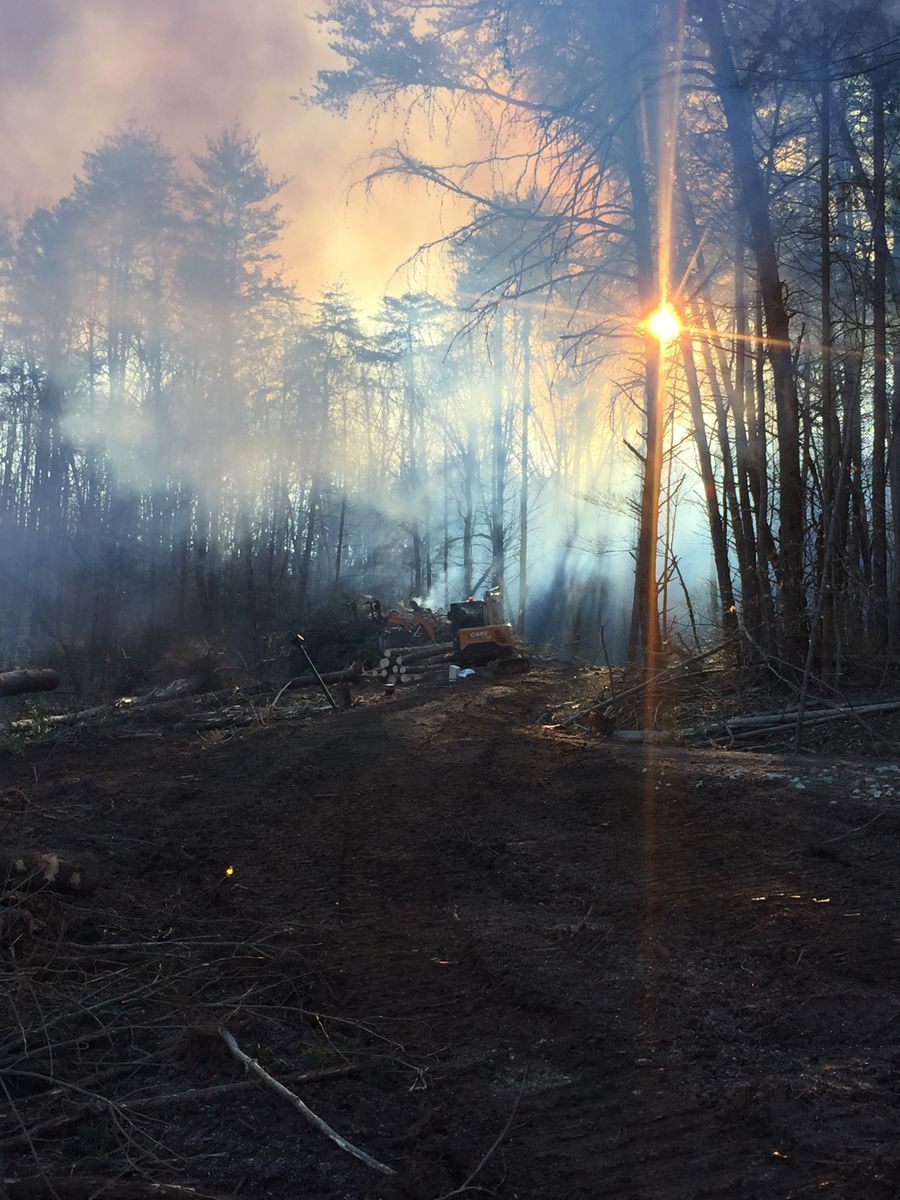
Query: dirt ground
(502, 959)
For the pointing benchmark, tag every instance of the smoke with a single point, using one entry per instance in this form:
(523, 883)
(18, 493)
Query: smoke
(73, 73)
(187, 71)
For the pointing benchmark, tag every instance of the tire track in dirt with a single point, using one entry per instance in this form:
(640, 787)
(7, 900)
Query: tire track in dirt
(597, 1033)
(519, 948)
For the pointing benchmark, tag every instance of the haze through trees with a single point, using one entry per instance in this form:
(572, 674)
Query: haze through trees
(188, 448)
(739, 162)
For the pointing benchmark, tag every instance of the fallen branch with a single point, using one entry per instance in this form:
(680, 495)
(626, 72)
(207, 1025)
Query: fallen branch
(467, 1185)
(763, 722)
(285, 1093)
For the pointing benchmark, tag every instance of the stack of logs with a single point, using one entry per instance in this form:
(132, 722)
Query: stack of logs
(413, 664)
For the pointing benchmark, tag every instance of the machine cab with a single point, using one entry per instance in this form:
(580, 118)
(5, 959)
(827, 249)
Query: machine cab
(469, 615)
(479, 633)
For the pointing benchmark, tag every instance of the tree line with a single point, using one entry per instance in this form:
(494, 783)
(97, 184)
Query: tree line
(738, 162)
(190, 449)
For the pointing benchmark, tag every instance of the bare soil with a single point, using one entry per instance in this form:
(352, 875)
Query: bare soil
(506, 958)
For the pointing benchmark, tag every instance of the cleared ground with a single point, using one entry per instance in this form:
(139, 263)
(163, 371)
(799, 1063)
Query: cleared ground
(615, 972)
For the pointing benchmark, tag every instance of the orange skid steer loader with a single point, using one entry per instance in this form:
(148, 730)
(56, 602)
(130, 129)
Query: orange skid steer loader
(480, 635)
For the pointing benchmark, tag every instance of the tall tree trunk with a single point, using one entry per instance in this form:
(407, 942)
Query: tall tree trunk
(305, 564)
(767, 556)
(445, 548)
(339, 548)
(414, 466)
(316, 491)
(752, 196)
(250, 589)
(704, 458)
(829, 441)
(468, 513)
(894, 477)
(645, 611)
(645, 634)
(741, 518)
(498, 461)
(879, 379)
(523, 474)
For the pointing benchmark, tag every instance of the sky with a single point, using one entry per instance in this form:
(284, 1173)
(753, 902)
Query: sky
(74, 71)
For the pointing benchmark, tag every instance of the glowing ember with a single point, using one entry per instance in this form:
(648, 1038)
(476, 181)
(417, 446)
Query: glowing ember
(664, 323)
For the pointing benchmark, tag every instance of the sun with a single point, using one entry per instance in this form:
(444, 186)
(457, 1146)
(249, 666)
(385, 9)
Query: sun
(664, 323)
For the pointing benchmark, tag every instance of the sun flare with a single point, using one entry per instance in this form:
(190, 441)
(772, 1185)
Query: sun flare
(664, 323)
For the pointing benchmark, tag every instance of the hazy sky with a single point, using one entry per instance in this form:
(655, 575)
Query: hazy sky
(76, 70)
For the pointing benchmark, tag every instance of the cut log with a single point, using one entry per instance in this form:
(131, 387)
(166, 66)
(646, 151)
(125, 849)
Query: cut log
(31, 870)
(349, 675)
(410, 654)
(26, 679)
(644, 736)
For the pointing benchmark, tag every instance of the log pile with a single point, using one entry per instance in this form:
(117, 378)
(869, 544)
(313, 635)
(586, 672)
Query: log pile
(412, 664)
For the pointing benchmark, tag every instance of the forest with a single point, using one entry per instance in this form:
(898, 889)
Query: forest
(594, 897)
(192, 449)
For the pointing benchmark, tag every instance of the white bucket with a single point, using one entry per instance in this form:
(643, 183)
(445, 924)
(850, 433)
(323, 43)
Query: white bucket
(453, 673)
